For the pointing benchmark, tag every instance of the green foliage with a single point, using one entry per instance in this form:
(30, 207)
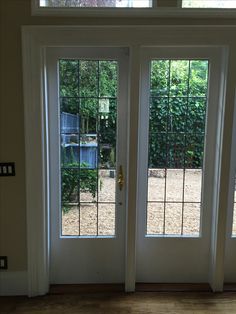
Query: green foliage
(75, 179)
(177, 113)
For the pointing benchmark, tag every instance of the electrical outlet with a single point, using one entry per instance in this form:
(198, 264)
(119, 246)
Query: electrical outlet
(3, 262)
(7, 169)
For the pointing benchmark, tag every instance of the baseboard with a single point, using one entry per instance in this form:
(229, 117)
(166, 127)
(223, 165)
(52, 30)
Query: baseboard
(13, 283)
(85, 288)
(229, 286)
(172, 287)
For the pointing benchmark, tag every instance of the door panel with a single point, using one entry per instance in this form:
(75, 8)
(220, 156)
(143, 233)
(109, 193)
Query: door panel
(230, 251)
(176, 164)
(87, 109)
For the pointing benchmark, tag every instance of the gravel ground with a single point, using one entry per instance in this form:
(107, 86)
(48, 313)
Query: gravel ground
(84, 222)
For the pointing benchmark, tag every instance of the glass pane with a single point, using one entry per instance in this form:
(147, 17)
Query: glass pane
(108, 72)
(107, 185)
(158, 114)
(175, 150)
(88, 76)
(156, 184)
(191, 215)
(157, 150)
(178, 100)
(155, 218)
(160, 71)
(88, 181)
(106, 219)
(173, 219)
(96, 3)
(209, 3)
(70, 220)
(88, 112)
(88, 144)
(174, 185)
(179, 78)
(193, 185)
(88, 219)
(69, 185)
(177, 114)
(69, 105)
(198, 78)
(69, 78)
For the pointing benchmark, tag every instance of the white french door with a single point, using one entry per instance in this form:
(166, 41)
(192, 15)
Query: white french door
(230, 251)
(177, 162)
(87, 111)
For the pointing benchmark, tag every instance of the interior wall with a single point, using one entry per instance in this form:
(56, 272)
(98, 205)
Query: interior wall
(14, 14)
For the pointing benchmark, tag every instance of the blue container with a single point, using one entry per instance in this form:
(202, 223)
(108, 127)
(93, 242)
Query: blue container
(88, 157)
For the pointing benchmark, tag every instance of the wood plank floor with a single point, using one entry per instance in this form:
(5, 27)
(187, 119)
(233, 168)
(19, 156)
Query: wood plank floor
(121, 303)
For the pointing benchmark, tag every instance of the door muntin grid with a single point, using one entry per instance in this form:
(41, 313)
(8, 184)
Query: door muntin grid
(178, 101)
(88, 115)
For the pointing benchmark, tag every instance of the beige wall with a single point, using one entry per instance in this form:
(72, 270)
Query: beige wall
(14, 14)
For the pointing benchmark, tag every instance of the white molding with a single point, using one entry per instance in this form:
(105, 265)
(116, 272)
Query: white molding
(36, 161)
(162, 12)
(13, 283)
(219, 218)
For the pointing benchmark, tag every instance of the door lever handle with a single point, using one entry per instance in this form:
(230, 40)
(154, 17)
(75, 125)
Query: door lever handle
(121, 180)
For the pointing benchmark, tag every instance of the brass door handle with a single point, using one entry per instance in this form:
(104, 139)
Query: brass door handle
(121, 180)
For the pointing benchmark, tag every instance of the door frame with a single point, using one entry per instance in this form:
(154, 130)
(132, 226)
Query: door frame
(34, 41)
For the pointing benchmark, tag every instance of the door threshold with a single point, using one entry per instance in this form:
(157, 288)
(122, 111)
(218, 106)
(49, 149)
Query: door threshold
(85, 288)
(175, 287)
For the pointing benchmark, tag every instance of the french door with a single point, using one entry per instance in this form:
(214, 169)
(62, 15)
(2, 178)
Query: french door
(87, 114)
(176, 163)
(230, 252)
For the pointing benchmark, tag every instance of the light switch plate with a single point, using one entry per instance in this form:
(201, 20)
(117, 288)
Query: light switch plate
(7, 169)
(3, 262)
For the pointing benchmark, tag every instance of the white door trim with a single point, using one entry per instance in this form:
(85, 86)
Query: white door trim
(34, 40)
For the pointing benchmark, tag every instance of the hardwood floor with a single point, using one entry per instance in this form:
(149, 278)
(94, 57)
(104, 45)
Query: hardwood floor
(121, 303)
